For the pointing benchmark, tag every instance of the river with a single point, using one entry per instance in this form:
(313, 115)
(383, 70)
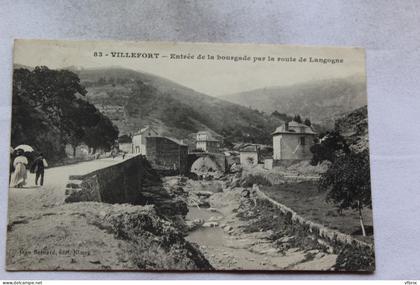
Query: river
(227, 247)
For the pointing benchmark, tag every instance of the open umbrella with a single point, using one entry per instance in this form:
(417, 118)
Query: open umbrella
(25, 148)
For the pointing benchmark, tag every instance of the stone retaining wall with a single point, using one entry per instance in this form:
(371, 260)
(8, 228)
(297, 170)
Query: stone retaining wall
(331, 236)
(119, 183)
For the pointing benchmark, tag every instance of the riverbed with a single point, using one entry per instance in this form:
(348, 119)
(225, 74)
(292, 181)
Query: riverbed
(220, 247)
(221, 236)
(227, 247)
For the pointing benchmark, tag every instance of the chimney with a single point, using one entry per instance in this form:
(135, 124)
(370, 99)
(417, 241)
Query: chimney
(286, 126)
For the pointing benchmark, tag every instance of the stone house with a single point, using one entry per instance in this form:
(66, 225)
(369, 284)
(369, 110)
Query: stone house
(126, 147)
(82, 151)
(167, 155)
(139, 139)
(249, 155)
(206, 142)
(125, 144)
(292, 141)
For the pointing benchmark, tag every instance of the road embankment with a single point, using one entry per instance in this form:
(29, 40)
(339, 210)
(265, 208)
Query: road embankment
(99, 236)
(45, 233)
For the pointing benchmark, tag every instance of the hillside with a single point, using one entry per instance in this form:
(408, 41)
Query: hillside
(353, 126)
(134, 99)
(322, 101)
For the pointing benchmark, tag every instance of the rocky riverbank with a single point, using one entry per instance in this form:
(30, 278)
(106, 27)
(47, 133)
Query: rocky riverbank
(99, 236)
(224, 221)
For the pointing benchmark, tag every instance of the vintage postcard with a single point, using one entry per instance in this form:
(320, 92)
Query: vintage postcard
(155, 156)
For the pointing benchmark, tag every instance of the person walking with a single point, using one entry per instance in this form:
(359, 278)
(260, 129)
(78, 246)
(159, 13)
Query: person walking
(38, 168)
(19, 175)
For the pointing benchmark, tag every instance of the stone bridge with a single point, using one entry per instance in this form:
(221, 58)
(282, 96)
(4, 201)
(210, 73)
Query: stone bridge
(218, 158)
(119, 183)
(131, 181)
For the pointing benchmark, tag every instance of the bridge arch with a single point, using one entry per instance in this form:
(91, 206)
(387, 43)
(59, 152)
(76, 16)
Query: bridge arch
(201, 163)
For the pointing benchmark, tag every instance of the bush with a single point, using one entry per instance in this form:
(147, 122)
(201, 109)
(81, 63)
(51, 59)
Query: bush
(352, 258)
(251, 179)
(331, 144)
(261, 219)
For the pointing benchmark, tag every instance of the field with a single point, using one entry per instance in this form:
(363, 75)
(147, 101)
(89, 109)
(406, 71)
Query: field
(307, 201)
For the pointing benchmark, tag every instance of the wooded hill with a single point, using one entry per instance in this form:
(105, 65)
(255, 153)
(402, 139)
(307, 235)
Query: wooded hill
(134, 99)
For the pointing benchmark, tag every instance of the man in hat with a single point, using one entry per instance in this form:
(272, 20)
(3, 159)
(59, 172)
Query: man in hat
(38, 168)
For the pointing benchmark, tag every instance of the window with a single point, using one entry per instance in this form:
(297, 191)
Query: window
(302, 140)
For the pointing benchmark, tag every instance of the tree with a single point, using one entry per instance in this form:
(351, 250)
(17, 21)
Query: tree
(348, 183)
(49, 110)
(227, 144)
(297, 119)
(41, 98)
(328, 148)
(101, 81)
(101, 134)
(307, 122)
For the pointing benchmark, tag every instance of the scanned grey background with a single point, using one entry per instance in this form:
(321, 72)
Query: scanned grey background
(389, 30)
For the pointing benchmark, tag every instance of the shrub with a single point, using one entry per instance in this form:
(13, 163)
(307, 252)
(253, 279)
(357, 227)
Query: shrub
(331, 144)
(352, 258)
(251, 179)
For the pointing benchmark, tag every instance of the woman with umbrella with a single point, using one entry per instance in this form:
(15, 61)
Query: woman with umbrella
(18, 178)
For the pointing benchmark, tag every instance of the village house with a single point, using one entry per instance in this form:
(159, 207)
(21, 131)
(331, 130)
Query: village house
(139, 139)
(292, 141)
(82, 151)
(125, 144)
(249, 155)
(206, 142)
(167, 155)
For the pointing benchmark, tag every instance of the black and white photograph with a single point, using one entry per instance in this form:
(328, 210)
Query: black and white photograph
(176, 156)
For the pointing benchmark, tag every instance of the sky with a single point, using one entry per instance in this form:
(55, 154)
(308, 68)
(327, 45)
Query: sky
(180, 62)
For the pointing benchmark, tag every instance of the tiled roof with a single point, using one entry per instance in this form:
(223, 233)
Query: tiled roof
(178, 142)
(175, 141)
(249, 148)
(294, 127)
(143, 130)
(209, 136)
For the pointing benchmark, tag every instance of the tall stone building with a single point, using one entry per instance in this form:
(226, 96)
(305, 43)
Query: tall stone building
(167, 155)
(139, 139)
(206, 142)
(292, 141)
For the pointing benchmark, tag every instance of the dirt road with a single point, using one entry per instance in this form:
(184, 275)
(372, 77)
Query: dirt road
(32, 197)
(44, 233)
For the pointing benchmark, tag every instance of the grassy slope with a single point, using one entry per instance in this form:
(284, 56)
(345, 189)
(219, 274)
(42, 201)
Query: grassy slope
(307, 201)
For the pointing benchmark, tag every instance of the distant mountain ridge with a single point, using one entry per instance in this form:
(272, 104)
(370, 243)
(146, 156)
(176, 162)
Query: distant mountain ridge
(322, 101)
(133, 100)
